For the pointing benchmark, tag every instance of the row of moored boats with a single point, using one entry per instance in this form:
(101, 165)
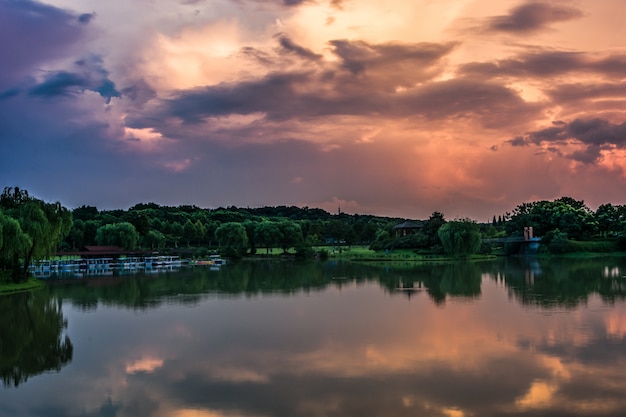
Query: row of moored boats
(111, 266)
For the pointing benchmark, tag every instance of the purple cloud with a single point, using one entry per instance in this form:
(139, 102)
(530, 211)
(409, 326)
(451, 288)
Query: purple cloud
(547, 64)
(290, 47)
(90, 76)
(594, 134)
(532, 17)
(33, 33)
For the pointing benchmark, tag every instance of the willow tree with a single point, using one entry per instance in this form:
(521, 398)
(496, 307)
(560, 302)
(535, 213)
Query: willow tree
(44, 224)
(232, 236)
(13, 244)
(121, 234)
(460, 237)
(267, 234)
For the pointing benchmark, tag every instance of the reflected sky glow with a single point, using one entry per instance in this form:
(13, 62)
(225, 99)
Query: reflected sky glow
(352, 350)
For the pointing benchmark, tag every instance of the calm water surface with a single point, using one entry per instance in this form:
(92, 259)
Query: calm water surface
(504, 338)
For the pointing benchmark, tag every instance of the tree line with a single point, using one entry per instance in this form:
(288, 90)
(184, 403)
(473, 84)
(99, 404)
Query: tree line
(32, 229)
(234, 230)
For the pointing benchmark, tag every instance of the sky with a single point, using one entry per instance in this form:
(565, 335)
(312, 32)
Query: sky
(386, 107)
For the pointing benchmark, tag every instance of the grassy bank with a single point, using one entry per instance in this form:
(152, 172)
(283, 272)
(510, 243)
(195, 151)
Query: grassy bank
(364, 254)
(11, 288)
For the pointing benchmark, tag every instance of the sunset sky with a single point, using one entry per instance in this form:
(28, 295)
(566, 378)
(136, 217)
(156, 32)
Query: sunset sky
(387, 107)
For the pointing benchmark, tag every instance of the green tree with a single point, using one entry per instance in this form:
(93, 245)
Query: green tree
(460, 237)
(566, 214)
(76, 237)
(232, 237)
(607, 216)
(139, 220)
(13, 244)
(154, 240)
(250, 226)
(431, 228)
(290, 234)
(267, 234)
(91, 230)
(121, 234)
(45, 224)
(189, 232)
(199, 230)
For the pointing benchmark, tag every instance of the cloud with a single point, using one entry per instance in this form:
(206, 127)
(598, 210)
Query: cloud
(86, 18)
(269, 89)
(296, 96)
(360, 56)
(573, 92)
(289, 46)
(369, 80)
(33, 33)
(594, 135)
(92, 76)
(532, 17)
(548, 64)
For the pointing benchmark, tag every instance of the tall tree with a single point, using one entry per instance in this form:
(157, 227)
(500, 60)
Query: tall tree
(45, 224)
(290, 234)
(13, 244)
(607, 216)
(121, 234)
(232, 236)
(460, 237)
(267, 234)
(431, 228)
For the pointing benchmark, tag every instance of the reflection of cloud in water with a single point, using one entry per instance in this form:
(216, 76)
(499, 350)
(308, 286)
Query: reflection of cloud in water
(353, 351)
(538, 396)
(144, 365)
(615, 322)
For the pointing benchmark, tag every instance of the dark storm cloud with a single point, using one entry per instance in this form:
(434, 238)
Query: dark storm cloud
(363, 83)
(86, 18)
(288, 3)
(291, 47)
(357, 56)
(31, 34)
(258, 55)
(595, 134)
(492, 104)
(92, 76)
(519, 141)
(532, 17)
(548, 64)
(294, 96)
(565, 93)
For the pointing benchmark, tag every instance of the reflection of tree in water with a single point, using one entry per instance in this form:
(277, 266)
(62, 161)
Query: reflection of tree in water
(564, 283)
(549, 282)
(31, 337)
(189, 286)
(456, 279)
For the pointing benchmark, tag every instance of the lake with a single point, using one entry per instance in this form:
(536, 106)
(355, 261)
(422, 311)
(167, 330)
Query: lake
(509, 337)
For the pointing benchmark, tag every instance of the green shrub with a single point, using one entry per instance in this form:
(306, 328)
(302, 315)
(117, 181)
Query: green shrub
(602, 246)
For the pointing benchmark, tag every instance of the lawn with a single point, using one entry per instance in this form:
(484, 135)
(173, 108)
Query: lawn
(11, 288)
(363, 253)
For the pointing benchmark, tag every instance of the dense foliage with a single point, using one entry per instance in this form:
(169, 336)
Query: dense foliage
(31, 229)
(233, 231)
(460, 238)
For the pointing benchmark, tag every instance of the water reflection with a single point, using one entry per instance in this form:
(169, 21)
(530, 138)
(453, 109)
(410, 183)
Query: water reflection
(504, 338)
(31, 337)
